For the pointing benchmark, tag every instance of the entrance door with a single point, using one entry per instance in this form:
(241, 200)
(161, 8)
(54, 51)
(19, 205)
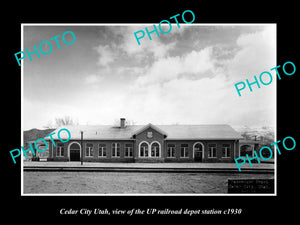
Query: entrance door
(198, 152)
(74, 152)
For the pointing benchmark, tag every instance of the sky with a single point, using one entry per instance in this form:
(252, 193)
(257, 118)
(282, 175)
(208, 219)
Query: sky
(186, 76)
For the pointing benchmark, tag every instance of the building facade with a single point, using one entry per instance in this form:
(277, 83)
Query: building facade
(147, 143)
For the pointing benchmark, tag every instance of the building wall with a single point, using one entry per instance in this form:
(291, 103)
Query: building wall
(95, 157)
(143, 137)
(205, 143)
(52, 152)
(140, 138)
(43, 154)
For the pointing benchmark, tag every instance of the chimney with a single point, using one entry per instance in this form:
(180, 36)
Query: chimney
(122, 122)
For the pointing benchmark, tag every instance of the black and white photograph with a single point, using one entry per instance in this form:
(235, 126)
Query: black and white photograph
(149, 112)
(157, 115)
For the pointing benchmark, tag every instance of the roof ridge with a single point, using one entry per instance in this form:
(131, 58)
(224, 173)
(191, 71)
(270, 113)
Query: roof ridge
(110, 125)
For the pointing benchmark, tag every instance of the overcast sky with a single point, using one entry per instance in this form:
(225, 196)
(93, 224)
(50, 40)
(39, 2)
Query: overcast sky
(186, 76)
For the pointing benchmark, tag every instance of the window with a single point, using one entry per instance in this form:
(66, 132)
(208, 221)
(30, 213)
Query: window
(102, 150)
(226, 151)
(60, 150)
(128, 150)
(212, 151)
(144, 150)
(184, 151)
(89, 152)
(198, 147)
(115, 150)
(155, 149)
(171, 150)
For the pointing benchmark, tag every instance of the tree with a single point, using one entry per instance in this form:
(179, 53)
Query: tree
(64, 121)
(246, 135)
(60, 121)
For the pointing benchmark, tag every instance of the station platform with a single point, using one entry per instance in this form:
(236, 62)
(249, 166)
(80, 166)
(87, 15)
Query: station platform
(148, 167)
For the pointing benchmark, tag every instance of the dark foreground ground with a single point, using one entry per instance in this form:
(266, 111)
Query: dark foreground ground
(130, 183)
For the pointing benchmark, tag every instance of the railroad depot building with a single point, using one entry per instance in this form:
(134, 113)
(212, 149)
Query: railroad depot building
(149, 143)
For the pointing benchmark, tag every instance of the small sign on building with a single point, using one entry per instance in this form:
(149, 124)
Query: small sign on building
(149, 134)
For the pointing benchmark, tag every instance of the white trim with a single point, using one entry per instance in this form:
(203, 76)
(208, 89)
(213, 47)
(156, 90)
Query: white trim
(149, 149)
(226, 157)
(150, 126)
(60, 150)
(208, 149)
(159, 153)
(139, 149)
(198, 142)
(234, 149)
(51, 149)
(69, 149)
(112, 150)
(186, 149)
(88, 156)
(102, 151)
(174, 150)
(125, 156)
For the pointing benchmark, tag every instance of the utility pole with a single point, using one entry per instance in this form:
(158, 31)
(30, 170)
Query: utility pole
(81, 147)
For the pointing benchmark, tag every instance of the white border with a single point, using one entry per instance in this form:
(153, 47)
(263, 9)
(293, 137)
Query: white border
(160, 150)
(198, 142)
(139, 148)
(141, 24)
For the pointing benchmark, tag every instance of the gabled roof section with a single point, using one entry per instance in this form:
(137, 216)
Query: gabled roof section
(98, 132)
(150, 126)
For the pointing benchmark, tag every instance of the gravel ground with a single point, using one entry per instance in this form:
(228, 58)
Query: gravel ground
(129, 183)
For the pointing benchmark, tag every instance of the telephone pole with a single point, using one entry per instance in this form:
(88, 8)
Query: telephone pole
(81, 158)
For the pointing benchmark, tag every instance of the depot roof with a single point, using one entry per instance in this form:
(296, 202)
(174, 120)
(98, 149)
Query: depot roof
(171, 132)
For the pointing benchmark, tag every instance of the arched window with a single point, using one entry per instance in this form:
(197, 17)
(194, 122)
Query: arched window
(198, 147)
(144, 149)
(246, 149)
(149, 150)
(155, 149)
(198, 151)
(74, 151)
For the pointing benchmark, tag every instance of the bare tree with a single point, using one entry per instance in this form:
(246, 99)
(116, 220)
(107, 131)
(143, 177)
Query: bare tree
(60, 121)
(246, 135)
(63, 121)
